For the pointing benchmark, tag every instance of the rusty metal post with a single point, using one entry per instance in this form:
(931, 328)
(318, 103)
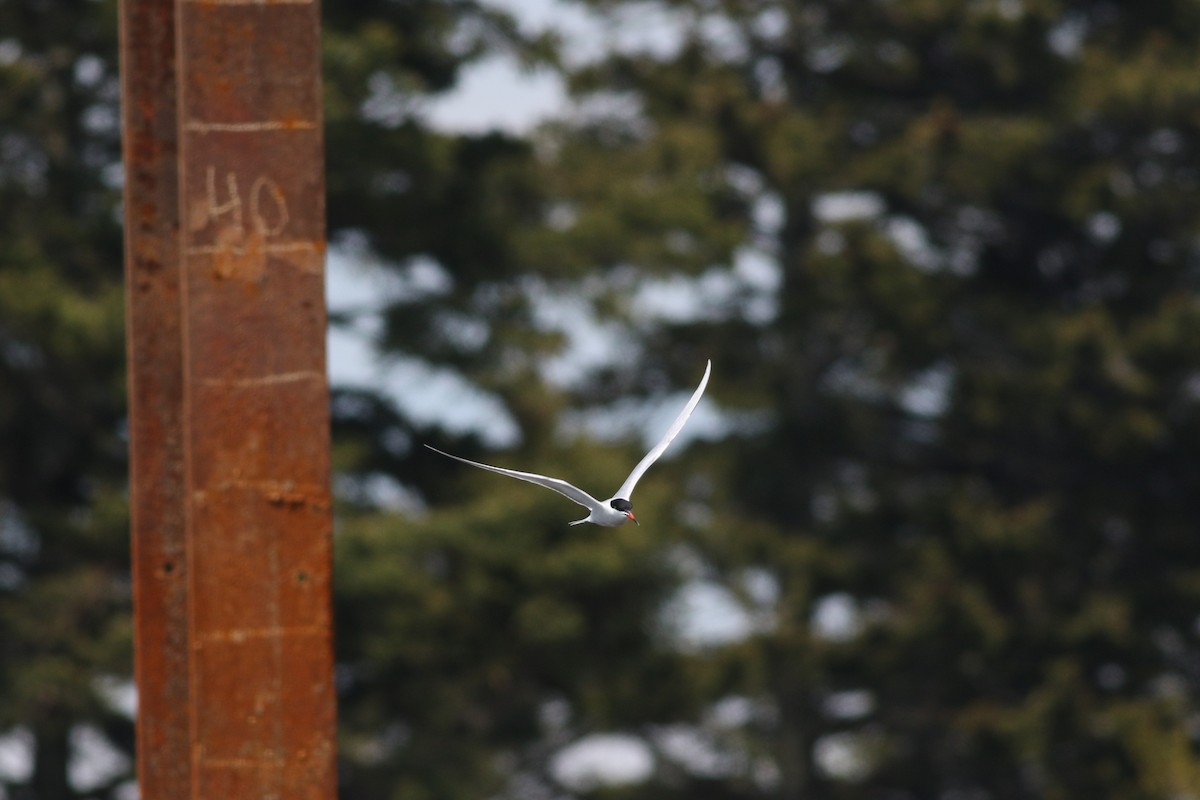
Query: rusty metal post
(155, 355)
(229, 398)
(256, 399)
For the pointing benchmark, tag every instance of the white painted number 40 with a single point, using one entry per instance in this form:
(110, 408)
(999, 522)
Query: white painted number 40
(266, 207)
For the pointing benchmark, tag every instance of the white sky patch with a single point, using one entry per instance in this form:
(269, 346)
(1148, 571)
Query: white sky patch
(837, 207)
(840, 756)
(761, 279)
(574, 23)
(723, 36)
(836, 617)
(94, 759)
(427, 393)
(769, 213)
(357, 280)
(696, 750)
(928, 394)
(387, 104)
(382, 491)
(648, 28)
(734, 711)
(16, 755)
(679, 299)
(761, 586)
(704, 613)
(772, 24)
(758, 269)
(498, 94)
(748, 289)
(433, 395)
(18, 540)
(1104, 226)
(591, 344)
(851, 704)
(913, 242)
(119, 693)
(603, 759)
(10, 52)
(716, 747)
(615, 111)
(1067, 37)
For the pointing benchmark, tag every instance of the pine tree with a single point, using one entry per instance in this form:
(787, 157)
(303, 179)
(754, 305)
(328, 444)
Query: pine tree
(942, 255)
(64, 585)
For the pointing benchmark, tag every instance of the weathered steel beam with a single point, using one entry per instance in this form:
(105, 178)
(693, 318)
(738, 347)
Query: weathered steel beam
(255, 504)
(155, 355)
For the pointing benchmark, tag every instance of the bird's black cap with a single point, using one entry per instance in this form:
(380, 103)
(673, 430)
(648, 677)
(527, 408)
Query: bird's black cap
(622, 505)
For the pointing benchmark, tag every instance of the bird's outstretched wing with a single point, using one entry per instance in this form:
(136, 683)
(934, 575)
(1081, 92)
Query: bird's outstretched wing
(562, 487)
(627, 487)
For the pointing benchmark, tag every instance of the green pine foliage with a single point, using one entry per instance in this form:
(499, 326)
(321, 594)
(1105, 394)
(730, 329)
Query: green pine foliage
(64, 583)
(976, 393)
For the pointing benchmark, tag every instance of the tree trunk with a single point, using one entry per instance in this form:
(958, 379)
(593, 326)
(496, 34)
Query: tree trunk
(51, 753)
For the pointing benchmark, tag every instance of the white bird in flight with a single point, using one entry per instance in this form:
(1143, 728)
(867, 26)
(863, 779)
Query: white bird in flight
(617, 510)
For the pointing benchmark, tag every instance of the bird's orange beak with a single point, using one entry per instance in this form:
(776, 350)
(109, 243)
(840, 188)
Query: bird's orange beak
(632, 517)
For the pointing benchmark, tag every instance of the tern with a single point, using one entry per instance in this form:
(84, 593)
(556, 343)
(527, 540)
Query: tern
(617, 510)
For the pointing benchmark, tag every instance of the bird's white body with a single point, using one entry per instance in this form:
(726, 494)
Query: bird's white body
(617, 510)
(605, 515)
